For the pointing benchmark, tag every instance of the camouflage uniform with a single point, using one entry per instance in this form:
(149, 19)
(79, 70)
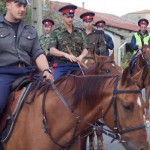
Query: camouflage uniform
(95, 40)
(60, 38)
(44, 42)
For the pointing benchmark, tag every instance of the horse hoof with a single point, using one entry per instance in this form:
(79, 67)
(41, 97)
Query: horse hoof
(147, 123)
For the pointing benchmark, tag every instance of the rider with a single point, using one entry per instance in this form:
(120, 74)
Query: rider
(107, 38)
(94, 37)
(141, 37)
(67, 43)
(45, 38)
(19, 46)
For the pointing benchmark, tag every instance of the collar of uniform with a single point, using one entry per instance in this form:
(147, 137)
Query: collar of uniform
(2, 19)
(146, 33)
(64, 28)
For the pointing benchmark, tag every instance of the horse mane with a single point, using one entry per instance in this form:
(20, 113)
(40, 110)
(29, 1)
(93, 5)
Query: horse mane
(93, 85)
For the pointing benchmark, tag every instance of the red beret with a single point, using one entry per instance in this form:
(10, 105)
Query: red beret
(48, 22)
(143, 21)
(87, 16)
(68, 9)
(100, 22)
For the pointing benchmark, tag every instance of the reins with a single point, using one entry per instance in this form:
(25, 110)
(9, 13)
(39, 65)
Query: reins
(116, 135)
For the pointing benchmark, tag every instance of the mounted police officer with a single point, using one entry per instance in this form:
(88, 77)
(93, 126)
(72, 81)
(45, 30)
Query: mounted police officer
(107, 38)
(140, 38)
(19, 46)
(94, 37)
(67, 43)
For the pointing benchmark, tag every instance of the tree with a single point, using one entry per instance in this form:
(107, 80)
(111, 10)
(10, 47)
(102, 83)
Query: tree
(2, 6)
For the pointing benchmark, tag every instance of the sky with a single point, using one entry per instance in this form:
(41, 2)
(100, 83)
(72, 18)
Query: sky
(116, 7)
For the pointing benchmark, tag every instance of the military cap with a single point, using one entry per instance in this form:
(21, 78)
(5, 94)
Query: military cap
(20, 1)
(88, 16)
(48, 22)
(69, 10)
(143, 21)
(100, 23)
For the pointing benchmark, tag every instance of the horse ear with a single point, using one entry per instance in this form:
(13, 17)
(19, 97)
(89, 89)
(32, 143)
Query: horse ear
(125, 75)
(138, 77)
(112, 55)
(100, 59)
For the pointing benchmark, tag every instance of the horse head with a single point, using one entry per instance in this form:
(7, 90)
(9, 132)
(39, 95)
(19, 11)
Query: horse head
(106, 65)
(130, 105)
(146, 53)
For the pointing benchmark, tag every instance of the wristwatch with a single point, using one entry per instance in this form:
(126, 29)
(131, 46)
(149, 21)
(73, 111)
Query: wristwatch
(48, 70)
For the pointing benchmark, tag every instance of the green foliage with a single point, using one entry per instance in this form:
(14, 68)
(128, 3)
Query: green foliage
(2, 7)
(28, 15)
(125, 59)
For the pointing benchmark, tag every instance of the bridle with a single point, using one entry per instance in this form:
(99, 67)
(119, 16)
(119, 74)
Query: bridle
(79, 118)
(119, 132)
(105, 62)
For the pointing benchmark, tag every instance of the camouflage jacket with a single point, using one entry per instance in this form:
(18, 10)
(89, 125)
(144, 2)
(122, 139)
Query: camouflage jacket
(44, 42)
(60, 38)
(95, 41)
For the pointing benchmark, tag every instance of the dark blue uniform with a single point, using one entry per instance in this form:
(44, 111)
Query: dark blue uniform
(19, 47)
(109, 43)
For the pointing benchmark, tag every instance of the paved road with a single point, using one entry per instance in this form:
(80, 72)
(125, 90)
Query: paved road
(115, 145)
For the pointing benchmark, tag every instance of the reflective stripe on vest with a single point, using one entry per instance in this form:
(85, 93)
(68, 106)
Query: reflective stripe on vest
(139, 42)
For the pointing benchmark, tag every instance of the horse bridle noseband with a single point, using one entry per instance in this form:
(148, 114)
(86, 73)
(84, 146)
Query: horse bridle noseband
(113, 102)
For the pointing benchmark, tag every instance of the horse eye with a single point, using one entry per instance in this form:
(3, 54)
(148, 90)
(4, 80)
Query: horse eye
(127, 107)
(107, 71)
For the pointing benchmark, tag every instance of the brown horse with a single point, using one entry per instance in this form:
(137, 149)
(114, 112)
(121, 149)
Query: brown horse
(142, 62)
(70, 106)
(105, 66)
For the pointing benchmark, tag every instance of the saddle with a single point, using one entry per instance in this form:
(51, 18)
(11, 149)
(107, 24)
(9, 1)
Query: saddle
(19, 92)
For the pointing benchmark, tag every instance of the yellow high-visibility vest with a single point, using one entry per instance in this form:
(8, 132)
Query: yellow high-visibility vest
(139, 42)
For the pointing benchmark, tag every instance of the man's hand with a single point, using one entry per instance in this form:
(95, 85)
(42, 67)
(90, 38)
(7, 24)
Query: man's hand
(79, 59)
(48, 76)
(70, 57)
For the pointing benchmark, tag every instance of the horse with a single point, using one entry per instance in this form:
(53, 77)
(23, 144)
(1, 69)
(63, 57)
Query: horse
(142, 62)
(61, 111)
(105, 65)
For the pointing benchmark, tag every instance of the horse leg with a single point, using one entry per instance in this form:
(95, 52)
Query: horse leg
(147, 121)
(91, 141)
(99, 140)
(83, 143)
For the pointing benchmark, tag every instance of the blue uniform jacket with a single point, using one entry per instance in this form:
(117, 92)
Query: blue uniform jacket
(109, 43)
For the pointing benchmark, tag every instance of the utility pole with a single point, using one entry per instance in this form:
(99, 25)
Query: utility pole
(36, 6)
